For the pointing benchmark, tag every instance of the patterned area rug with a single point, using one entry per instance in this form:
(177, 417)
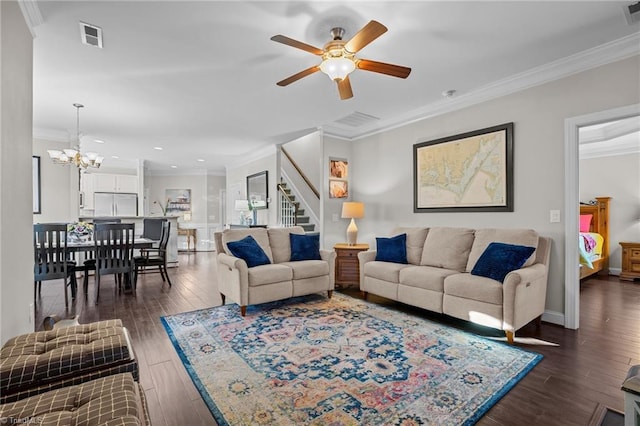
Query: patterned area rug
(341, 361)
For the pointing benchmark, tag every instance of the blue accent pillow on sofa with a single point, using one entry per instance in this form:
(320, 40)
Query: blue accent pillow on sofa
(248, 250)
(498, 259)
(392, 249)
(305, 247)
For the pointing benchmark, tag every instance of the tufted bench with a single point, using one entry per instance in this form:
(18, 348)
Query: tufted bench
(108, 401)
(38, 362)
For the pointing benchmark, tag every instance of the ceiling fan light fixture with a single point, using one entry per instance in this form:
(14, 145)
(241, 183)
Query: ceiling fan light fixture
(337, 68)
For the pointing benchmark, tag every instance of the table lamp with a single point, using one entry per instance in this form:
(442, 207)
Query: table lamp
(352, 210)
(242, 206)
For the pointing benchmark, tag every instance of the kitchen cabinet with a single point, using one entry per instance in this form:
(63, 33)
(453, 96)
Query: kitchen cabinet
(115, 183)
(87, 189)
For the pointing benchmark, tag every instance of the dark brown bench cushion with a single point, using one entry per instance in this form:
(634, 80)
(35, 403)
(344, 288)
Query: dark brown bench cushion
(108, 401)
(37, 362)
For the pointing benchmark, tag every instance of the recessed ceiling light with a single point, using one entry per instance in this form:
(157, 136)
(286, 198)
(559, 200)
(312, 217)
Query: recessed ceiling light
(115, 156)
(157, 148)
(98, 141)
(174, 167)
(201, 160)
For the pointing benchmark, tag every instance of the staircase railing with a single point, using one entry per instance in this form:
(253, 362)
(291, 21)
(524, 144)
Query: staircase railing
(299, 170)
(288, 209)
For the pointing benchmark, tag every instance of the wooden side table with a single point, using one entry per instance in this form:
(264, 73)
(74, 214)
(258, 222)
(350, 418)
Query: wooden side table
(347, 265)
(630, 261)
(190, 233)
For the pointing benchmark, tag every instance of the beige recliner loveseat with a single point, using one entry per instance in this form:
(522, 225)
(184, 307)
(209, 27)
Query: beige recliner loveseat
(437, 276)
(280, 278)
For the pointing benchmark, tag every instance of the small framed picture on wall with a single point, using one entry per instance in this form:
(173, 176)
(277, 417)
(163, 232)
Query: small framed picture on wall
(338, 178)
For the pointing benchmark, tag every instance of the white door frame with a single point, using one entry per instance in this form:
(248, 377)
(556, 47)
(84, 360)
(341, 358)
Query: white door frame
(571, 206)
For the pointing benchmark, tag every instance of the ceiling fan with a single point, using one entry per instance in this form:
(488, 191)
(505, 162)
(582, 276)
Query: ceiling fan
(339, 60)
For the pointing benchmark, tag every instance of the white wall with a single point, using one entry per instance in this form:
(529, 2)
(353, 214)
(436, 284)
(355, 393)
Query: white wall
(617, 177)
(16, 112)
(383, 178)
(204, 203)
(237, 188)
(334, 228)
(58, 183)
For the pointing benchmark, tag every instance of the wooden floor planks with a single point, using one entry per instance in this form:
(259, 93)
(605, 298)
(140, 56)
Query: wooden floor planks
(587, 368)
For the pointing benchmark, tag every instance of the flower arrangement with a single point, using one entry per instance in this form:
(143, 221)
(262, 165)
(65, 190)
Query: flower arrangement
(163, 208)
(80, 230)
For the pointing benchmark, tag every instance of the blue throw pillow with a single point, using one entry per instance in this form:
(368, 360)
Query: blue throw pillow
(248, 250)
(305, 247)
(392, 249)
(499, 259)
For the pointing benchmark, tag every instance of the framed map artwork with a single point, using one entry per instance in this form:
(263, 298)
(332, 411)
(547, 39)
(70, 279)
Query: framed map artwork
(470, 172)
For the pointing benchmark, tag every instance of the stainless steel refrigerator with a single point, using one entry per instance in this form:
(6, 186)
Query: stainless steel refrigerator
(115, 204)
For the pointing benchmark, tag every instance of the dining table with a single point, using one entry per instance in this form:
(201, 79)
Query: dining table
(88, 246)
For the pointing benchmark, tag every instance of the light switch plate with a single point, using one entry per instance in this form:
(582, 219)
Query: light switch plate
(554, 216)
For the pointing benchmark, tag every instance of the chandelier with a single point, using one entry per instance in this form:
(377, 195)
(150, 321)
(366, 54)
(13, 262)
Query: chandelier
(73, 155)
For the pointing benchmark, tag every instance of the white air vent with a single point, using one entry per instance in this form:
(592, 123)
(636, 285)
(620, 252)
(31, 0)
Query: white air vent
(91, 35)
(632, 13)
(356, 119)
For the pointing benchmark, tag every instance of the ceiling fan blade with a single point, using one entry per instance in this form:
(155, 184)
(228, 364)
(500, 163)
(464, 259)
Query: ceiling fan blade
(382, 68)
(298, 76)
(366, 35)
(344, 87)
(297, 44)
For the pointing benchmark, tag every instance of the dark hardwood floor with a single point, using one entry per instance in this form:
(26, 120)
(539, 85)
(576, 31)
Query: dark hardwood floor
(586, 369)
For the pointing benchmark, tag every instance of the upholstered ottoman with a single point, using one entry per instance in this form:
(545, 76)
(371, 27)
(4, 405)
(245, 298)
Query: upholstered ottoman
(108, 401)
(38, 362)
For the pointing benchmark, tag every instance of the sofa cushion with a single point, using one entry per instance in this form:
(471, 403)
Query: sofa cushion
(305, 247)
(280, 243)
(385, 271)
(248, 250)
(269, 274)
(499, 259)
(258, 234)
(392, 249)
(474, 287)
(447, 248)
(485, 236)
(415, 242)
(425, 277)
(308, 268)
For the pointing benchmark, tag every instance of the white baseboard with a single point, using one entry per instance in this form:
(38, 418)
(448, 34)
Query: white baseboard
(553, 317)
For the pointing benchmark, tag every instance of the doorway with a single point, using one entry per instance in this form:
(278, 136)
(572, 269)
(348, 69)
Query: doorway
(571, 158)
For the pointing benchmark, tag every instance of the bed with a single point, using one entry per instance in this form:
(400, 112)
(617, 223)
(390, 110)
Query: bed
(594, 244)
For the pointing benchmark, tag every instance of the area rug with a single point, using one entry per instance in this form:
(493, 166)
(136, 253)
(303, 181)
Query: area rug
(341, 361)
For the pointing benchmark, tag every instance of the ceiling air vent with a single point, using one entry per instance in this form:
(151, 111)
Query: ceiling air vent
(356, 119)
(632, 13)
(91, 35)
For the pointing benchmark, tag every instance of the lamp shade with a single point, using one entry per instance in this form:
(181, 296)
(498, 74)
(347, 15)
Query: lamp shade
(337, 68)
(242, 205)
(352, 210)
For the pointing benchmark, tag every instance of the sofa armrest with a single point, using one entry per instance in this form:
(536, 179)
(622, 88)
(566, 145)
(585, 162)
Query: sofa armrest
(524, 295)
(233, 278)
(363, 258)
(329, 256)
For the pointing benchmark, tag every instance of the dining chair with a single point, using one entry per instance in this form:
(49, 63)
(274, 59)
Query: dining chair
(113, 253)
(51, 258)
(89, 263)
(151, 258)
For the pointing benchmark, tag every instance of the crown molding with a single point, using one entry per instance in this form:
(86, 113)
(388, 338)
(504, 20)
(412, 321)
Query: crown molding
(32, 15)
(613, 51)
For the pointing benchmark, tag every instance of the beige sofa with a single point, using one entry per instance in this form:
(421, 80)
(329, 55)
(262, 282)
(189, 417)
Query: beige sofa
(437, 276)
(280, 279)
